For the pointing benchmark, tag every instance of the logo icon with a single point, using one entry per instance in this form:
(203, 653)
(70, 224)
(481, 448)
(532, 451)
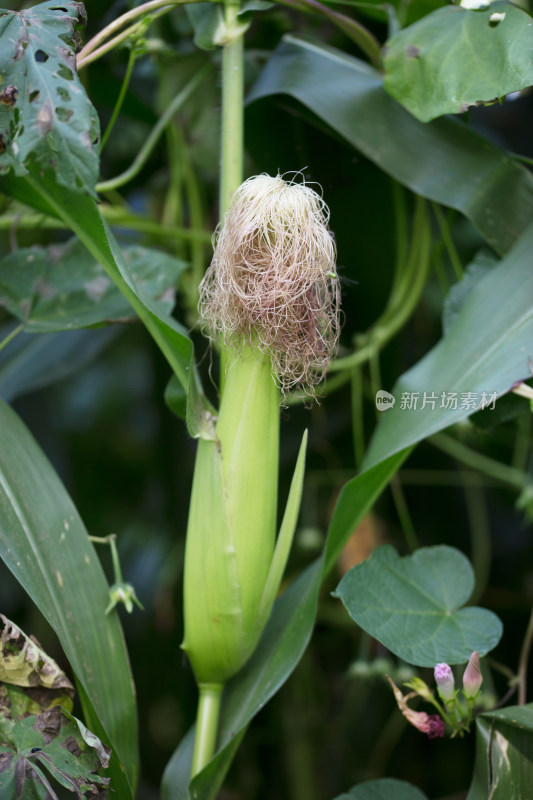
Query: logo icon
(384, 400)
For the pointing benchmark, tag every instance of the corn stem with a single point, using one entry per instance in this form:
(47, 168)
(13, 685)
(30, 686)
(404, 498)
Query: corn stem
(231, 174)
(232, 108)
(206, 725)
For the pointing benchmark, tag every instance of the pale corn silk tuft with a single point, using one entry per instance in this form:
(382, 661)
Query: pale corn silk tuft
(273, 280)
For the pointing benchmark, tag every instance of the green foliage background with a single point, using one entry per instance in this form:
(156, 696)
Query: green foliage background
(127, 462)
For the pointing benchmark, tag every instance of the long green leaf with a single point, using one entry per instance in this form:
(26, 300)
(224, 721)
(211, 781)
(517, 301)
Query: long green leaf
(82, 215)
(459, 168)
(44, 543)
(285, 535)
(504, 754)
(487, 348)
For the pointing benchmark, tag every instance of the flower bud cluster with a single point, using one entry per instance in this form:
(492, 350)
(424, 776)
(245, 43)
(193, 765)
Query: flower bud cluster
(452, 714)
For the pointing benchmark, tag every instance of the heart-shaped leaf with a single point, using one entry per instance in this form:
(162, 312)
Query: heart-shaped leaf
(383, 789)
(454, 58)
(412, 605)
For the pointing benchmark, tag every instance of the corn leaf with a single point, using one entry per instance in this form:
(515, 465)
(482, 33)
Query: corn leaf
(460, 168)
(83, 217)
(45, 545)
(504, 754)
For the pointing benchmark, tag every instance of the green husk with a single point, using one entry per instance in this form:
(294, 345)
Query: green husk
(232, 522)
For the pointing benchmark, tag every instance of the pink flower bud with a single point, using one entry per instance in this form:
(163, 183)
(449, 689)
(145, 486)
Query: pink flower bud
(472, 679)
(432, 724)
(445, 681)
(435, 726)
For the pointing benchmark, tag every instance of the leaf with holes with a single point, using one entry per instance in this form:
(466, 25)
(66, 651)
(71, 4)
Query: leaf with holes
(46, 117)
(455, 57)
(52, 744)
(63, 287)
(412, 605)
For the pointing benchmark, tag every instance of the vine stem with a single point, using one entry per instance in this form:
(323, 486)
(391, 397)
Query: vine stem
(156, 132)
(404, 297)
(365, 40)
(489, 466)
(120, 99)
(119, 22)
(134, 29)
(111, 540)
(11, 336)
(114, 216)
(445, 232)
(231, 174)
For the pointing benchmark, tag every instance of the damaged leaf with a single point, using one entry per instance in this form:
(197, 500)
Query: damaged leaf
(504, 745)
(62, 287)
(45, 545)
(24, 663)
(30, 681)
(51, 747)
(456, 57)
(46, 118)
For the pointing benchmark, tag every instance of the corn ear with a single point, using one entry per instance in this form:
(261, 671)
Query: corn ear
(232, 522)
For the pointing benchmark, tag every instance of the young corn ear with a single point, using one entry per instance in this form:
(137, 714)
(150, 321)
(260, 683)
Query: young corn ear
(272, 278)
(232, 523)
